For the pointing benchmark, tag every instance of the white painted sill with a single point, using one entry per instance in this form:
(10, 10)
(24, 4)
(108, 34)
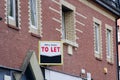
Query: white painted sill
(68, 42)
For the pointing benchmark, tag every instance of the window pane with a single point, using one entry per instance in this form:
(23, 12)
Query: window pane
(11, 6)
(97, 32)
(33, 12)
(63, 25)
(108, 42)
(68, 26)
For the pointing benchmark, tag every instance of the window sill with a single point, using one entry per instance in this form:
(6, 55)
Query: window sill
(36, 35)
(13, 27)
(65, 41)
(98, 56)
(110, 61)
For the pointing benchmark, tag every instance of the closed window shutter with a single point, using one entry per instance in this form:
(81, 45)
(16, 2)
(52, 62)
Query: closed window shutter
(69, 25)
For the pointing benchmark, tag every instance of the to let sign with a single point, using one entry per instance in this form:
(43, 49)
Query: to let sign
(50, 53)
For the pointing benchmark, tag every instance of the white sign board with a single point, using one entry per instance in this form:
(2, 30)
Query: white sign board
(6, 77)
(53, 75)
(50, 52)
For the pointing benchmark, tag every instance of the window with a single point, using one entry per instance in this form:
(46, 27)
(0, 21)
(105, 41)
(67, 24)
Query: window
(11, 9)
(97, 38)
(63, 26)
(12, 12)
(67, 18)
(109, 43)
(68, 24)
(35, 17)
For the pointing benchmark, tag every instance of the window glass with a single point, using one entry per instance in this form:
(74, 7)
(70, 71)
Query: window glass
(97, 38)
(108, 42)
(12, 13)
(63, 25)
(68, 27)
(97, 32)
(33, 13)
(11, 10)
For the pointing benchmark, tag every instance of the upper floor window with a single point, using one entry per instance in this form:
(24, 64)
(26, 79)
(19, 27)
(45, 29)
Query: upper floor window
(68, 24)
(63, 26)
(12, 13)
(12, 10)
(35, 17)
(109, 43)
(67, 18)
(97, 38)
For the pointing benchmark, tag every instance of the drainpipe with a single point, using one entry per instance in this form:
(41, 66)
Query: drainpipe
(117, 57)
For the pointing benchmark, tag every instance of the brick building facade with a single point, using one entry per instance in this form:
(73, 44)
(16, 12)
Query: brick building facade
(86, 28)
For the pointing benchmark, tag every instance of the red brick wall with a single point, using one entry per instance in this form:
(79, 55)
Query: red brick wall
(83, 57)
(15, 44)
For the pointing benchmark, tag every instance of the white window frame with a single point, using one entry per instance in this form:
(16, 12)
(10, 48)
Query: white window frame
(11, 19)
(109, 44)
(36, 30)
(64, 28)
(97, 38)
